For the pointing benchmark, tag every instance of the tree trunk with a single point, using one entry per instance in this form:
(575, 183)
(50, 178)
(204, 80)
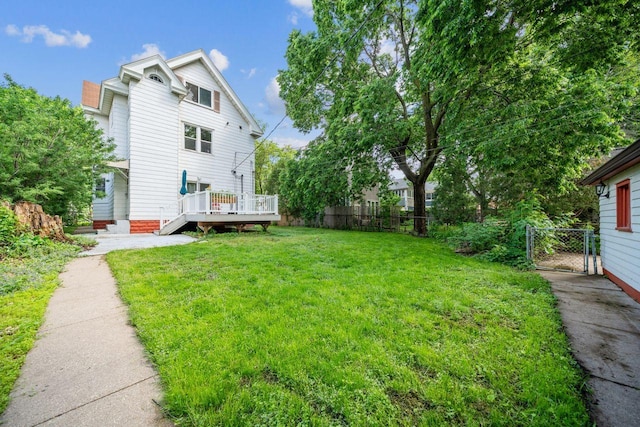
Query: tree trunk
(419, 209)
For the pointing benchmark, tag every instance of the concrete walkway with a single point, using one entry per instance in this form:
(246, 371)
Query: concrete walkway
(112, 242)
(87, 367)
(603, 325)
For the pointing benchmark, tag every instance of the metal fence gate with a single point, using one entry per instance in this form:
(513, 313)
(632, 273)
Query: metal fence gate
(563, 249)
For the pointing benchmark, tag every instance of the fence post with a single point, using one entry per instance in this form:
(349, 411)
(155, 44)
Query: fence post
(594, 251)
(528, 241)
(585, 245)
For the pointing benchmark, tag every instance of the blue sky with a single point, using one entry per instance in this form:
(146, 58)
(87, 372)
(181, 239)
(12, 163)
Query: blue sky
(54, 46)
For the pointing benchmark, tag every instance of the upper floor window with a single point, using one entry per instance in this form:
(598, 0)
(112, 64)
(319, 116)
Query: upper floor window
(197, 138)
(204, 96)
(623, 206)
(156, 78)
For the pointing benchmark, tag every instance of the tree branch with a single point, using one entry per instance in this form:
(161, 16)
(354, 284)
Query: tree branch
(400, 157)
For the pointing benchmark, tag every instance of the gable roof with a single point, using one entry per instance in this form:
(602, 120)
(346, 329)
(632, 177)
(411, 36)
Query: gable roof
(135, 70)
(628, 157)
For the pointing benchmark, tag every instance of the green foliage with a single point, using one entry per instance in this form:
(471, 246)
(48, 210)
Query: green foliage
(507, 88)
(8, 227)
(270, 163)
(30, 258)
(320, 176)
(388, 199)
(477, 237)
(504, 239)
(453, 202)
(50, 153)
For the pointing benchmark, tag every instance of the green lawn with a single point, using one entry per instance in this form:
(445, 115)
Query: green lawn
(319, 327)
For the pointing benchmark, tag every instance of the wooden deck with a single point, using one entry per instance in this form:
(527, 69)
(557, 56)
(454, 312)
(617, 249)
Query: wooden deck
(207, 221)
(210, 209)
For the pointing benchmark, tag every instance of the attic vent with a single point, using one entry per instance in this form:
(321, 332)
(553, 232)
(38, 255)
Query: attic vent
(156, 78)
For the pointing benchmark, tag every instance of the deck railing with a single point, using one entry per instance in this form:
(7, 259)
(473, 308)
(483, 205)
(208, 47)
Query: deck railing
(216, 202)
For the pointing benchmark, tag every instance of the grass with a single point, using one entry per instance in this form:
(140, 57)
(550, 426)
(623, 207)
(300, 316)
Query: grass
(319, 327)
(27, 281)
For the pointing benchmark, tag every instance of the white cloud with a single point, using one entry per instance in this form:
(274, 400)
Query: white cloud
(305, 6)
(388, 46)
(291, 142)
(149, 49)
(250, 73)
(219, 59)
(293, 18)
(275, 104)
(12, 30)
(51, 39)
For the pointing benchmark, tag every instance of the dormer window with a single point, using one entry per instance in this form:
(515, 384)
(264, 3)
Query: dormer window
(156, 78)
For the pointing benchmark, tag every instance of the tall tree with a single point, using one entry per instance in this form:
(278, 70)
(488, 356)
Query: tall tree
(50, 153)
(515, 143)
(394, 78)
(270, 160)
(320, 176)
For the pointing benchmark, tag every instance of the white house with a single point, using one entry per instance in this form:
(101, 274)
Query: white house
(404, 189)
(170, 118)
(618, 184)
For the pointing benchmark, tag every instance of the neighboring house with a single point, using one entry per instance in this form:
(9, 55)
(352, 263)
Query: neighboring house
(404, 189)
(618, 182)
(166, 117)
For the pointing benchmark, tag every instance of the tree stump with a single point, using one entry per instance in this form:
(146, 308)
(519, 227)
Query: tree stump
(36, 221)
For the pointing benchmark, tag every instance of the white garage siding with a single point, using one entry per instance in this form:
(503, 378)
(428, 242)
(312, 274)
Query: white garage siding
(620, 250)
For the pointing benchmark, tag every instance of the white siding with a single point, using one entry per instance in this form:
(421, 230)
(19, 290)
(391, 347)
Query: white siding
(119, 126)
(153, 124)
(621, 250)
(103, 207)
(120, 197)
(232, 142)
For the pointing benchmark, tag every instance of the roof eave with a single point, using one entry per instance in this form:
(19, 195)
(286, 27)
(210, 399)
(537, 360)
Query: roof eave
(629, 157)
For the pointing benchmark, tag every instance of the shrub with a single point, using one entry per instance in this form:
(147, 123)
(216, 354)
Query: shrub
(504, 240)
(478, 237)
(8, 228)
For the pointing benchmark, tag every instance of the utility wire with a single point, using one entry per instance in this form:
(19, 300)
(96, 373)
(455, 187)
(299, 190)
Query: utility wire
(455, 134)
(315, 81)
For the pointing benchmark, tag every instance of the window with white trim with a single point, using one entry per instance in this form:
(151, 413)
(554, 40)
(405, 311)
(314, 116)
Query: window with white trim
(197, 138)
(203, 96)
(192, 187)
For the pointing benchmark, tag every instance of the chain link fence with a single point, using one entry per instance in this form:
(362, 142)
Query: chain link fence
(563, 249)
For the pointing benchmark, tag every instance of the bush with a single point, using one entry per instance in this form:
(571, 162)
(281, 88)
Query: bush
(8, 229)
(504, 240)
(479, 237)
